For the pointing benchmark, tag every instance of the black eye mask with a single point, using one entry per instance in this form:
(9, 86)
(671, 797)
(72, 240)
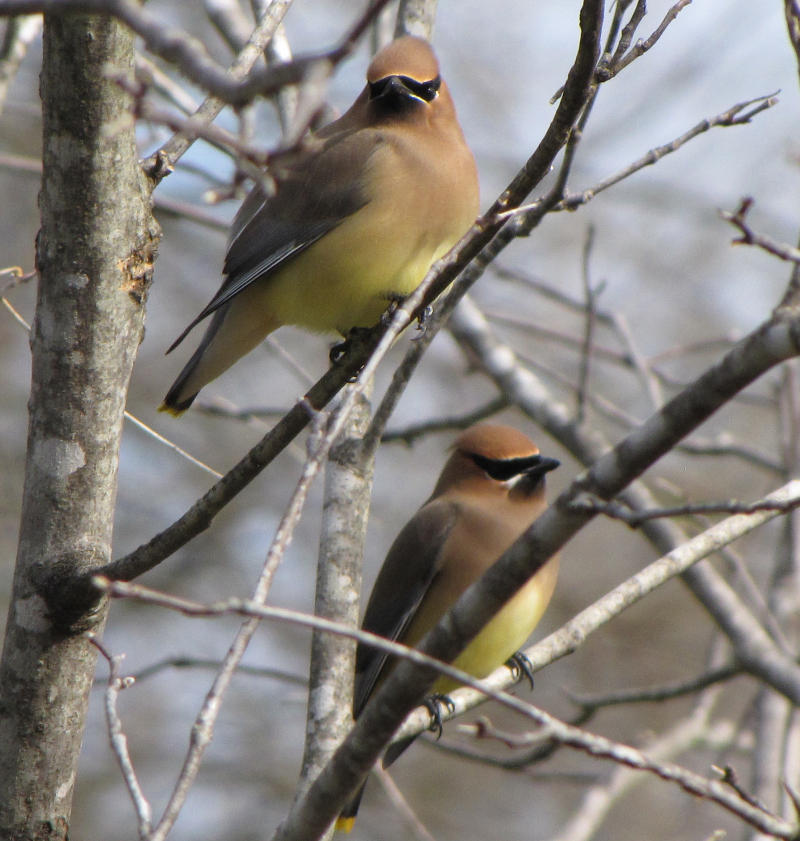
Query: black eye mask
(503, 469)
(421, 90)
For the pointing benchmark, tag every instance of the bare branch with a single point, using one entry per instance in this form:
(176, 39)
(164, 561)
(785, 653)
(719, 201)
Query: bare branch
(252, 609)
(601, 747)
(119, 741)
(277, 77)
(19, 35)
(729, 776)
(183, 662)
(634, 519)
(655, 694)
(318, 445)
(179, 450)
(695, 730)
(782, 250)
(411, 433)
(151, 75)
(348, 484)
(230, 21)
(621, 61)
(400, 804)
(416, 17)
(732, 117)
(587, 349)
(200, 516)
(793, 25)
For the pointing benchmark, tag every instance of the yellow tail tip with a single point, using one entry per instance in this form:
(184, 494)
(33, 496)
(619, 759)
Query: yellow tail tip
(344, 824)
(171, 410)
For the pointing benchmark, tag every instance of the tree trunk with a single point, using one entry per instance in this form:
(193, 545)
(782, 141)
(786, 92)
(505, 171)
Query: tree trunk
(95, 251)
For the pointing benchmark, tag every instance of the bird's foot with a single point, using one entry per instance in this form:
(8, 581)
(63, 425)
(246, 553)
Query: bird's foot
(520, 667)
(339, 350)
(395, 300)
(422, 321)
(433, 704)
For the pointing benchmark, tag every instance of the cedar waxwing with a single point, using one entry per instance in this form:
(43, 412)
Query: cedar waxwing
(355, 222)
(490, 490)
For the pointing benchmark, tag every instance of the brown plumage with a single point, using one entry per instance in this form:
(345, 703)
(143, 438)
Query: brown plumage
(356, 220)
(490, 490)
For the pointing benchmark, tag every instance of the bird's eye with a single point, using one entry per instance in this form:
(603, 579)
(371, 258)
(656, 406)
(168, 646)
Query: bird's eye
(424, 90)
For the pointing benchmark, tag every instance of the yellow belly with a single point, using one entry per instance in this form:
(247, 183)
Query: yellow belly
(347, 278)
(507, 631)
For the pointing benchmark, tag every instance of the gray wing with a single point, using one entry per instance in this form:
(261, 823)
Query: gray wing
(315, 192)
(407, 573)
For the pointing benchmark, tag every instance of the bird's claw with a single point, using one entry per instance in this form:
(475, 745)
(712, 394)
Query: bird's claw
(395, 300)
(520, 667)
(422, 321)
(340, 349)
(433, 704)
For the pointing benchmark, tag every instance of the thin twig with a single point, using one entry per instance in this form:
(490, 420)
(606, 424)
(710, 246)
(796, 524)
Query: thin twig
(149, 74)
(203, 729)
(782, 250)
(185, 662)
(732, 117)
(401, 805)
(174, 447)
(163, 161)
(119, 742)
(558, 337)
(729, 776)
(227, 17)
(276, 77)
(256, 610)
(20, 278)
(20, 33)
(655, 694)
(621, 61)
(410, 434)
(600, 747)
(620, 511)
(694, 730)
(590, 296)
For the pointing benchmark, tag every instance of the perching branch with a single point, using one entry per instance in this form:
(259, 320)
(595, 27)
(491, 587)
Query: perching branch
(716, 791)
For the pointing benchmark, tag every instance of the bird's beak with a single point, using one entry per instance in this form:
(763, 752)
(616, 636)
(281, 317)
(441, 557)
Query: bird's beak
(391, 87)
(543, 465)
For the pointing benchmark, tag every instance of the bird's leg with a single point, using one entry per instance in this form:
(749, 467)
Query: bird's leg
(520, 667)
(433, 704)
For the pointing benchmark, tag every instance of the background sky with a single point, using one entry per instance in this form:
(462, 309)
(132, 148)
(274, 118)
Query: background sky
(665, 257)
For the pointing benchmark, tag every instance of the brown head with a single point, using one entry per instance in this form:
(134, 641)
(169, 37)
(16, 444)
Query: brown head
(497, 459)
(403, 85)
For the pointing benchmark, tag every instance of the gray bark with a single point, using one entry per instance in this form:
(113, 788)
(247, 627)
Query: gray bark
(348, 484)
(95, 251)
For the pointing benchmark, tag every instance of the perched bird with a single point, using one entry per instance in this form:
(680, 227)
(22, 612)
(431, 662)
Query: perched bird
(490, 490)
(355, 221)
